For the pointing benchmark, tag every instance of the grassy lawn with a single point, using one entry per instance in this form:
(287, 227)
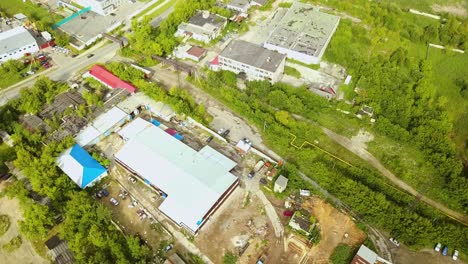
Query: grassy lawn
(292, 72)
(34, 12)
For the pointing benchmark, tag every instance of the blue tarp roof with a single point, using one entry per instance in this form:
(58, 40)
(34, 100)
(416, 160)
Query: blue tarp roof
(91, 168)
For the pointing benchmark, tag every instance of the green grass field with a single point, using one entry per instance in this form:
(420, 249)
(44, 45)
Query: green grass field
(34, 12)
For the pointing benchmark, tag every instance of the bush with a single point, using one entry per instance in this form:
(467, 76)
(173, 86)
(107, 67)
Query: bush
(229, 258)
(13, 245)
(342, 254)
(4, 224)
(292, 72)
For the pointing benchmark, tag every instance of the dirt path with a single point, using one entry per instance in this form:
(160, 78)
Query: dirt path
(333, 226)
(25, 254)
(365, 155)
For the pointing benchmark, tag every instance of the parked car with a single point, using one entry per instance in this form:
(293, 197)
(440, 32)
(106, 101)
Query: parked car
(394, 241)
(105, 192)
(226, 132)
(169, 247)
(132, 179)
(90, 56)
(251, 174)
(221, 131)
(445, 251)
(74, 55)
(99, 194)
(209, 139)
(455, 255)
(438, 247)
(114, 201)
(288, 213)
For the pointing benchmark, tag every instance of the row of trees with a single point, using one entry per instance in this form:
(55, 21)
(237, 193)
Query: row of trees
(180, 100)
(361, 188)
(87, 227)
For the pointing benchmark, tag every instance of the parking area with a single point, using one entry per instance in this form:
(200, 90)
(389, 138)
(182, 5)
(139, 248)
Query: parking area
(131, 217)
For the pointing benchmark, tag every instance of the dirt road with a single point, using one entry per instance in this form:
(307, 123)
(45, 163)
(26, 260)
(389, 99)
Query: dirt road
(365, 155)
(25, 254)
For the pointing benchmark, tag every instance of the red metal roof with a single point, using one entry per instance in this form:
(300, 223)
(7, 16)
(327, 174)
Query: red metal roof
(215, 61)
(196, 51)
(110, 79)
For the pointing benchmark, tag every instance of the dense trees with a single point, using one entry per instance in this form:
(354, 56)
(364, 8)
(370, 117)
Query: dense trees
(363, 189)
(93, 238)
(43, 91)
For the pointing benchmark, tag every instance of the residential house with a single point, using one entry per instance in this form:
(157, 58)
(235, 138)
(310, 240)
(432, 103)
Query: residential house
(203, 26)
(280, 184)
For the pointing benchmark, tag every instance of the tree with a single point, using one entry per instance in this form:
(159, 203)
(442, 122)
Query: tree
(37, 221)
(62, 39)
(229, 258)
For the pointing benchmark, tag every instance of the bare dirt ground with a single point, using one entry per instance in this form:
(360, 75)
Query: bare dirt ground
(333, 226)
(241, 220)
(25, 254)
(129, 221)
(456, 9)
(362, 138)
(403, 255)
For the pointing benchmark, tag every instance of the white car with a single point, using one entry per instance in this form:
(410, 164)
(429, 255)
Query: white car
(438, 247)
(455, 255)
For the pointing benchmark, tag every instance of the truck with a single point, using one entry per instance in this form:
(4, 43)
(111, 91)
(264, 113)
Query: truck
(259, 165)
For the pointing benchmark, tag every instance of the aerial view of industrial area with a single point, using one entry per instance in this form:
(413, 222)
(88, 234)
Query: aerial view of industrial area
(233, 131)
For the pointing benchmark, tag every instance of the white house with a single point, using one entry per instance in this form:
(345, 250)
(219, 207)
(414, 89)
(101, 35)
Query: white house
(102, 7)
(255, 61)
(202, 27)
(15, 43)
(303, 33)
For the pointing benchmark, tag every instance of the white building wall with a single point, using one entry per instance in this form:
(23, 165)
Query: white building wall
(103, 8)
(243, 9)
(19, 52)
(252, 73)
(293, 54)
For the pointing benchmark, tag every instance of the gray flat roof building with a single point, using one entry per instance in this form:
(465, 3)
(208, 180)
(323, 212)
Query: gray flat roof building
(252, 54)
(257, 62)
(303, 33)
(16, 42)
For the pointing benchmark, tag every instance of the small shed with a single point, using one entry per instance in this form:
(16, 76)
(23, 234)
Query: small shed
(280, 184)
(243, 146)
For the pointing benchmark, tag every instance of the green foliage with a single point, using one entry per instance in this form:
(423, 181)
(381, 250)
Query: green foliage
(10, 72)
(229, 258)
(42, 92)
(365, 191)
(62, 39)
(342, 254)
(4, 224)
(13, 244)
(195, 259)
(36, 13)
(38, 219)
(179, 99)
(292, 72)
(147, 41)
(100, 158)
(6, 154)
(93, 238)
(285, 4)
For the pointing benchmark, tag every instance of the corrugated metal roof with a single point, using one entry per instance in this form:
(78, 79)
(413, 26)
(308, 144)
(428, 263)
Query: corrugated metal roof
(109, 119)
(80, 166)
(193, 180)
(105, 76)
(14, 38)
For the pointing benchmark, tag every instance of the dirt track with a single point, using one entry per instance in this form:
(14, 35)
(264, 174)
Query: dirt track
(25, 254)
(333, 227)
(367, 156)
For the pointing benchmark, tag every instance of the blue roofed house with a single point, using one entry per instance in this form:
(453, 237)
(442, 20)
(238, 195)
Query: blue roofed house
(80, 166)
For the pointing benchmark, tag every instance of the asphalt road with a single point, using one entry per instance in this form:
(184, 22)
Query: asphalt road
(64, 71)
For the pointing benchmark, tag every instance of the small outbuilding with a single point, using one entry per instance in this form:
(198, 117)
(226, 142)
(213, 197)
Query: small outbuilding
(300, 223)
(80, 166)
(280, 184)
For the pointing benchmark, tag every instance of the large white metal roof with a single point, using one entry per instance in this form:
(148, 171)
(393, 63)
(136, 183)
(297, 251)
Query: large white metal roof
(193, 180)
(15, 38)
(109, 119)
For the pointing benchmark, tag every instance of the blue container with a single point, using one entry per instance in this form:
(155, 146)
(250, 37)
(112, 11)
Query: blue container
(155, 122)
(178, 136)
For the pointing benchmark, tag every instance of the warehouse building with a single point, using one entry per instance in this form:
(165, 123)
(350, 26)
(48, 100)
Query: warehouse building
(303, 33)
(203, 26)
(256, 62)
(15, 43)
(102, 75)
(194, 183)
